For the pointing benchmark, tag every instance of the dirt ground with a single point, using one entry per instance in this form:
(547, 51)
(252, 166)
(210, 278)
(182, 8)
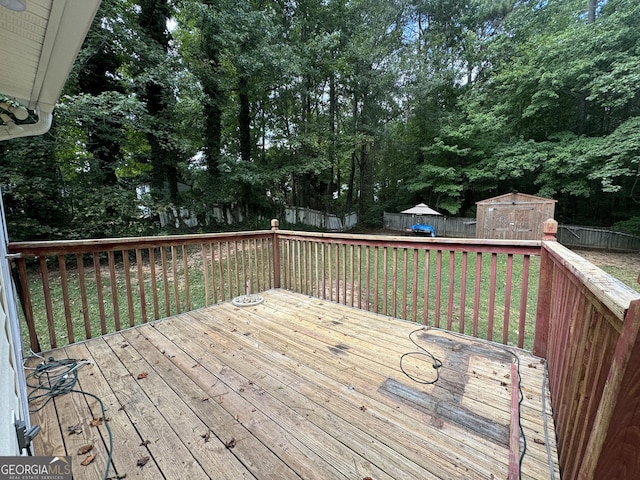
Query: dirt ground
(614, 259)
(624, 266)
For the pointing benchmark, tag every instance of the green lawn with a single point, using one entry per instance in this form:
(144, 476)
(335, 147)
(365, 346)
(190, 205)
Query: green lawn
(442, 313)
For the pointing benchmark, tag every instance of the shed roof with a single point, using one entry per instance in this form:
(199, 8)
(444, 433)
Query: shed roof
(516, 197)
(421, 209)
(38, 46)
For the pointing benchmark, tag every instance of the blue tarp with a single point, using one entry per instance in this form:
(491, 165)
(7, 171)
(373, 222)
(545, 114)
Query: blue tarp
(423, 229)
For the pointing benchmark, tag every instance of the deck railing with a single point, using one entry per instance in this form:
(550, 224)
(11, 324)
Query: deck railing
(483, 288)
(587, 329)
(538, 295)
(93, 287)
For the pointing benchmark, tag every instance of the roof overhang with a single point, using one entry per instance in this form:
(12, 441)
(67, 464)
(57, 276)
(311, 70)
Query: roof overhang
(38, 47)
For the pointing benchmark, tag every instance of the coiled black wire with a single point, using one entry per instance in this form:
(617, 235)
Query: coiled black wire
(54, 378)
(436, 363)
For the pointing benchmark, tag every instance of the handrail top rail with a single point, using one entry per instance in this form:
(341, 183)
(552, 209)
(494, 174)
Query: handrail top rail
(616, 295)
(54, 247)
(531, 247)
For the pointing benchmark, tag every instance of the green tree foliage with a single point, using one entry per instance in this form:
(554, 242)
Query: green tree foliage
(338, 105)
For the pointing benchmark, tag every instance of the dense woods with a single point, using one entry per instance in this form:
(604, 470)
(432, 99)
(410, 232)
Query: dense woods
(336, 105)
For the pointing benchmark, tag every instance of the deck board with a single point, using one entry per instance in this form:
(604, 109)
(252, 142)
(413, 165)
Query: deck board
(296, 387)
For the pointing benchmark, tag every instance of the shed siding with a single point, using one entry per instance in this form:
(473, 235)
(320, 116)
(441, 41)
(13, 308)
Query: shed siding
(514, 216)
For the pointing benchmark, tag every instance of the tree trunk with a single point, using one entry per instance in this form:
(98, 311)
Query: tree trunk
(244, 119)
(593, 5)
(332, 142)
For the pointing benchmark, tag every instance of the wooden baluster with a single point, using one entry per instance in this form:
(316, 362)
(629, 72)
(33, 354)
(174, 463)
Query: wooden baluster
(98, 274)
(83, 295)
(114, 290)
(64, 284)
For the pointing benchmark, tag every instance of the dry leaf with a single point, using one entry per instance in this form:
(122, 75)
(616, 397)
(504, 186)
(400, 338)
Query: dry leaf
(85, 449)
(88, 460)
(437, 422)
(142, 461)
(538, 441)
(367, 478)
(75, 429)
(96, 421)
(231, 443)
(124, 345)
(145, 443)
(363, 408)
(206, 436)
(143, 375)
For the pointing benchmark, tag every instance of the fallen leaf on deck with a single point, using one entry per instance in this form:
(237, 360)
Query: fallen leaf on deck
(85, 449)
(95, 422)
(145, 443)
(124, 345)
(538, 441)
(531, 365)
(363, 408)
(206, 436)
(88, 460)
(75, 429)
(231, 443)
(142, 461)
(507, 375)
(437, 422)
(367, 478)
(143, 375)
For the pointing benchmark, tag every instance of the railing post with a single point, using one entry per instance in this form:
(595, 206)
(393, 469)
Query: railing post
(276, 253)
(549, 230)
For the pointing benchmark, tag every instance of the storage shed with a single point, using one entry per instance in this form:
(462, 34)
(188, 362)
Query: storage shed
(513, 216)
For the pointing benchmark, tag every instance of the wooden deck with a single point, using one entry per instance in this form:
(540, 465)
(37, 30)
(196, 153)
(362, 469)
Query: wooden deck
(296, 387)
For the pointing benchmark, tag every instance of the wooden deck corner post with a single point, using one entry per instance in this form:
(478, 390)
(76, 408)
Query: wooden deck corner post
(276, 253)
(543, 311)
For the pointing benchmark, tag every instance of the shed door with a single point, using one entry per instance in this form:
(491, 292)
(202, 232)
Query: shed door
(499, 222)
(13, 397)
(509, 222)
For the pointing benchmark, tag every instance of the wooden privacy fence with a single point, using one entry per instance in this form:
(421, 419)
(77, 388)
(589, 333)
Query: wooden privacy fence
(93, 287)
(318, 219)
(592, 237)
(568, 235)
(458, 227)
(587, 329)
(478, 287)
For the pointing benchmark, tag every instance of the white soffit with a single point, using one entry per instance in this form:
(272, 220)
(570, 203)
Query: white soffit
(38, 47)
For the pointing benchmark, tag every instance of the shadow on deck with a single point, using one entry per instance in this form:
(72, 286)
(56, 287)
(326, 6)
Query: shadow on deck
(298, 387)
